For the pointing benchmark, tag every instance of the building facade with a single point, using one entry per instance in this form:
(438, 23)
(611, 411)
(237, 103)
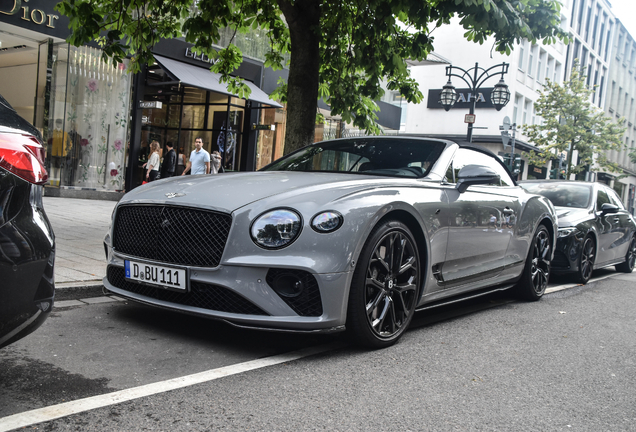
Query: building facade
(619, 105)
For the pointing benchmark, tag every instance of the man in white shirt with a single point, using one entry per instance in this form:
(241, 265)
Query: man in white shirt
(199, 161)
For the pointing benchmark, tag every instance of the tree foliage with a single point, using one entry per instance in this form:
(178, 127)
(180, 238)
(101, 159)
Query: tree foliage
(571, 123)
(342, 51)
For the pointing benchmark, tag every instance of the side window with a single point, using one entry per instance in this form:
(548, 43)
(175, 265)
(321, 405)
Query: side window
(450, 174)
(614, 199)
(601, 198)
(466, 156)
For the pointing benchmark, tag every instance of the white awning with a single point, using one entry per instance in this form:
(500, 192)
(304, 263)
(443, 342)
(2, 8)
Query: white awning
(204, 78)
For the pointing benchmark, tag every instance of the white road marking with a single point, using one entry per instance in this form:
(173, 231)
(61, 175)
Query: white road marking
(53, 412)
(572, 285)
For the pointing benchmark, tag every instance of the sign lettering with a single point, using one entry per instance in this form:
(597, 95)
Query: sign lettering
(465, 98)
(200, 57)
(36, 16)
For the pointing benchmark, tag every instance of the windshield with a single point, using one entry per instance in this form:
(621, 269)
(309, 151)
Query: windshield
(397, 157)
(562, 194)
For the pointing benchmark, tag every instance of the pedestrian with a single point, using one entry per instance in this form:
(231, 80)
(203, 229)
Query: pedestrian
(152, 171)
(493, 221)
(216, 162)
(199, 162)
(169, 161)
(180, 162)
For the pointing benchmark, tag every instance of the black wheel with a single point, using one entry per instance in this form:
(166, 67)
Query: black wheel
(586, 260)
(536, 273)
(630, 259)
(385, 287)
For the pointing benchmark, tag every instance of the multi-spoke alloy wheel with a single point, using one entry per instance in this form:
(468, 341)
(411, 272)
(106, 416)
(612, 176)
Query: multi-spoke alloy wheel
(385, 286)
(630, 258)
(586, 261)
(537, 271)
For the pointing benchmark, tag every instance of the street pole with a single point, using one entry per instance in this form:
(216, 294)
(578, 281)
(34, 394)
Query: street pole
(473, 95)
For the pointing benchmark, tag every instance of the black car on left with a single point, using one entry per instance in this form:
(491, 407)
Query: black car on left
(595, 229)
(27, 243)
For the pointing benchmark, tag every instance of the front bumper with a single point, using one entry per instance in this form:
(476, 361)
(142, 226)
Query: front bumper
(567, 253)
(243, 296)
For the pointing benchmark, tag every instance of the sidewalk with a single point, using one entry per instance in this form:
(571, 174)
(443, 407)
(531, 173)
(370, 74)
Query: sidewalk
(80, 226)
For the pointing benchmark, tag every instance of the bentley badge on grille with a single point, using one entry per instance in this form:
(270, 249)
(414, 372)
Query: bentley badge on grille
(175, 194)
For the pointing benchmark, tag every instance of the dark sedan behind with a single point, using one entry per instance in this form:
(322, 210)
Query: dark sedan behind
(595, 229)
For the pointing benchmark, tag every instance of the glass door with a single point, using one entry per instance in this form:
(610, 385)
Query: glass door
(50, 105)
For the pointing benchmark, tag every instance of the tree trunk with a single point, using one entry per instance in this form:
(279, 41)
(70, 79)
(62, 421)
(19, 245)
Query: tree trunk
(303, 19)
(569, 161)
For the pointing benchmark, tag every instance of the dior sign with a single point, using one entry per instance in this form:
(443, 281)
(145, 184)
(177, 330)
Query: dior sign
(37, 15)
(464, 98)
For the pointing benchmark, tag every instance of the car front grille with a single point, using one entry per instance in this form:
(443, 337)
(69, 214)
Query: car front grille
(201, 295)
(560, 261)
(175, 235)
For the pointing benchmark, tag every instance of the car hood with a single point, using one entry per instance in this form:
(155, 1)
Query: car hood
(231, 191)
(569, 216)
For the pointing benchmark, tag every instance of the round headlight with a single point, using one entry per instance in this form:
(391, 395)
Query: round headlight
(326, 222)
(276, 228)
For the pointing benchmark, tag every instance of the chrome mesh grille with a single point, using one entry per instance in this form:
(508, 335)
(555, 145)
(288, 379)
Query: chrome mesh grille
(175, 235)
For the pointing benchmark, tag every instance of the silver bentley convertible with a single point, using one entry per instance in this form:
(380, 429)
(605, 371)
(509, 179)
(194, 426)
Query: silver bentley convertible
(353, 234)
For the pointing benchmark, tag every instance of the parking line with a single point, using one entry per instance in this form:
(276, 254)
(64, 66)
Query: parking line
(572, 285)
(53, 412)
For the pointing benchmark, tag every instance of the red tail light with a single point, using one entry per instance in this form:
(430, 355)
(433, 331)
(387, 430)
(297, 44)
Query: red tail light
(23, 155)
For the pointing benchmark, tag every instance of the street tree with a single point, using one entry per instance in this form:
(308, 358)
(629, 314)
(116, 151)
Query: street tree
(570, 122)
(341, 51)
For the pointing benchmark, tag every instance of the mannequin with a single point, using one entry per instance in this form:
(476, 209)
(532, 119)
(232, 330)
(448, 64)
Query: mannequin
(57, 144)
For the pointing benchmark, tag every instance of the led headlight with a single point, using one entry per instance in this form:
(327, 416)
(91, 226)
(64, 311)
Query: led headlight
(276, 228)
(564, 232)
(326, 222)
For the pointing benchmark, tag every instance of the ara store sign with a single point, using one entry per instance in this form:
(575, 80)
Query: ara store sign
(464, 98)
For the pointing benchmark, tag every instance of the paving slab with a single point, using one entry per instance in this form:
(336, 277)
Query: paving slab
(79, 226)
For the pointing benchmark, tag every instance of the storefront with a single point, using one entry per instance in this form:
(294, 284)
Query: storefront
(78, 102)
(179, 100)
(97, 119)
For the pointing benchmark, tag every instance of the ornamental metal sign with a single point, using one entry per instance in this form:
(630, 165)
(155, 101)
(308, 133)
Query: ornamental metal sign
(464, 98)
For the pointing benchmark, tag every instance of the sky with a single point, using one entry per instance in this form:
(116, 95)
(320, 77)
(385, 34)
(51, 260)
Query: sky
(625, 10)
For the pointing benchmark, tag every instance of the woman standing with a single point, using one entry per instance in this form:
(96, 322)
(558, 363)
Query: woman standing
(153, 162)
(181, 164)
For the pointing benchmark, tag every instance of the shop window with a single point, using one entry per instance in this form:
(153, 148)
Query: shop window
(193, 95)
(88, 122)
(218, 98)
(237, 101)
(193, 117)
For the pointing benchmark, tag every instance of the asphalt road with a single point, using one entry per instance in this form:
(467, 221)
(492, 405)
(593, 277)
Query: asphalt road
(565, 363)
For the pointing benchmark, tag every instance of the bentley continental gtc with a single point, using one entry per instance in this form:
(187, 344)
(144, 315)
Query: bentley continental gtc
(353, 234)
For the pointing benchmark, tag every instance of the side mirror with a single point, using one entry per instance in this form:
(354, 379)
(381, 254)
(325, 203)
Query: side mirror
(476, 175)
(608, 208)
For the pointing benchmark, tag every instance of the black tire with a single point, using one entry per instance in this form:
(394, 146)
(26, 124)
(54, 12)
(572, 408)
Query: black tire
(630, 258)
(536, 273)
(385, 287)
(586, 260)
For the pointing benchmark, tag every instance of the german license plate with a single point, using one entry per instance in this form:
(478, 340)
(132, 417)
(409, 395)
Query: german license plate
(164, 276)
